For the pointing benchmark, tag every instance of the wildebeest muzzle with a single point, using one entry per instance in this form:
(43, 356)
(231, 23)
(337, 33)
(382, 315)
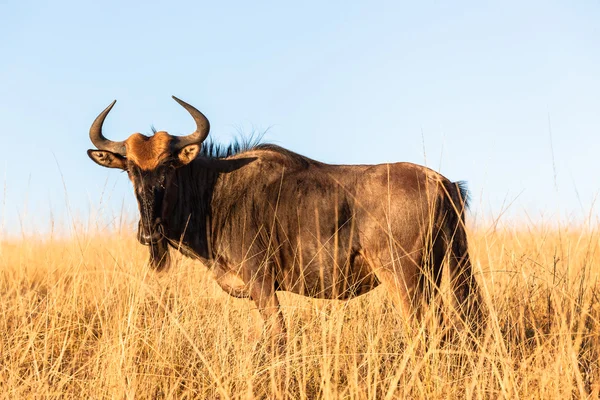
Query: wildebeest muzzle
(148, 234)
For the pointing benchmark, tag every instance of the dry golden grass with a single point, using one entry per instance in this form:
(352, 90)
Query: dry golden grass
(85, 318)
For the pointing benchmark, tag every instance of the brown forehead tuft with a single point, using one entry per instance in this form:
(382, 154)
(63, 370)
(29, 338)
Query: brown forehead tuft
(148, 152)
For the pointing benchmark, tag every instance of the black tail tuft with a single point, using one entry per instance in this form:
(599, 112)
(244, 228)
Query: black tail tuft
(465, 195)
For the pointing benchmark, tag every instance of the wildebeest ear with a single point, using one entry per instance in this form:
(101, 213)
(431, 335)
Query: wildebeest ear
(188, 153)
(107, 159)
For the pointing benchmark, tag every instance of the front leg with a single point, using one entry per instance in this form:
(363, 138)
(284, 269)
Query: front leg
(262, 292)
(231, 283)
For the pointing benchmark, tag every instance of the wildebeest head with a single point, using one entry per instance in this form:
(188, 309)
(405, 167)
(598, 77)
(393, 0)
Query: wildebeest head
(150, 162)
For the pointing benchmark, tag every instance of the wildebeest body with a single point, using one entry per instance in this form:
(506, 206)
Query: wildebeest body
(269, 219)
(317, 229)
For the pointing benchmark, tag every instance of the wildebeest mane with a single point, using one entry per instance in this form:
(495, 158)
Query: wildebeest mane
(240, 144)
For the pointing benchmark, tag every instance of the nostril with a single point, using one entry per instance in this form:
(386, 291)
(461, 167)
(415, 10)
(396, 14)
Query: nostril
(143, 237)
(154, 232)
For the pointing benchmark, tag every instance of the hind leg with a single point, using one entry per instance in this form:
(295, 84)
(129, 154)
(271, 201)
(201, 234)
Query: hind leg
(401, 279)
(400, 276)
(460, 298)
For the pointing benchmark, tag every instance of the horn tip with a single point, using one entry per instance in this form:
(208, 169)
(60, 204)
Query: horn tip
(178, 100)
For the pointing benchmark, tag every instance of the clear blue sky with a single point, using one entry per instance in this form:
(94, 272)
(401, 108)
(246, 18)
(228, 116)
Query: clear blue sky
(469, 88)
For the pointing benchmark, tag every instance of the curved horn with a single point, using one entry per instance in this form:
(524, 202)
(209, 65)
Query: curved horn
(202, 127)
(98, 138)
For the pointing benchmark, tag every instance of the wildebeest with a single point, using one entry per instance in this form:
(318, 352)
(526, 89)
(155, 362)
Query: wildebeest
(274, 220)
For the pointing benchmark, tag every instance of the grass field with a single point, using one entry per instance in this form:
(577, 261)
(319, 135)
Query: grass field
(85, 318)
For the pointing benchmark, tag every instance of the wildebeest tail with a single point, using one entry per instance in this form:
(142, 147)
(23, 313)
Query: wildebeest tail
(461, 271)
(463, 191)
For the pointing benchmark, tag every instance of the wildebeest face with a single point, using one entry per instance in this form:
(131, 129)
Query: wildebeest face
(150, 162)
(150, 187)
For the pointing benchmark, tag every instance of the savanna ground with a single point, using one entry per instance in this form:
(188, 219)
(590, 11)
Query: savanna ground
(84, 317)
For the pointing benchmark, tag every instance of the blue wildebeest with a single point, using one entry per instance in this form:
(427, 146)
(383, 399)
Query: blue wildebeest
(273, 220)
